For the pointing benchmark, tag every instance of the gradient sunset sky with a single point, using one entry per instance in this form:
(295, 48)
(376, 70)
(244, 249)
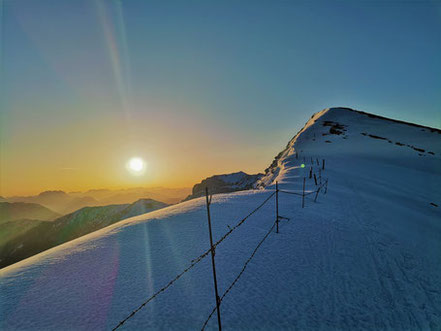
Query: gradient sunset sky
(196, 88)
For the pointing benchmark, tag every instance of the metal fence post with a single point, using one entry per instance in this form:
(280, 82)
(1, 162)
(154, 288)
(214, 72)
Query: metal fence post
(208, 200)
(277, 207)
(316, 194)
(303, 194)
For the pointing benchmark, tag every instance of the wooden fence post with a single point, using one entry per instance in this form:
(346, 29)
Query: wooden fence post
(310, 172)
(212, 260)
(315, 180)
(323, 164)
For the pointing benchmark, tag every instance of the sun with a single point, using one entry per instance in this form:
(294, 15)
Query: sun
(136, 166)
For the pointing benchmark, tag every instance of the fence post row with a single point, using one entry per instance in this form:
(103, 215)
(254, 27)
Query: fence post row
(212, 247)
(208, 200)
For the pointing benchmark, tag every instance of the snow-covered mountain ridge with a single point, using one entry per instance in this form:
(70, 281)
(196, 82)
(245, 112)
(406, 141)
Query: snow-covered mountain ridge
(351, 130)
(366, 256)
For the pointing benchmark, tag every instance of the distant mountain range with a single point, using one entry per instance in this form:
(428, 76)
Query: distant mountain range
(23, 238)
(11, 211)
(58, 201)
(65, 203)
(122, 196)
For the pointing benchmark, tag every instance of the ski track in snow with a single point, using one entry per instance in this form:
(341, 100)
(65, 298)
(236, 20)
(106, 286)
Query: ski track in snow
(366, 256)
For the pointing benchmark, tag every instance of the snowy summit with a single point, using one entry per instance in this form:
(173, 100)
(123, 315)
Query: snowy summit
(365, 255)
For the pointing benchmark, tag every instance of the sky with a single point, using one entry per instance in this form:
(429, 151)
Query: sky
(196, 88)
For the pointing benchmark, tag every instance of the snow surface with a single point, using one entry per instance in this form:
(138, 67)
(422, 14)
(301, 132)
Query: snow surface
(367, 255)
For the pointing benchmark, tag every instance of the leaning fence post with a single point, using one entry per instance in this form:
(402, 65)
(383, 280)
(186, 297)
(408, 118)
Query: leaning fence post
(277, 207)
(317, 161)
(303, 194)
(316, 194)
(310, 173)
(315, 179)
(320, 176)
(323, 164)
(212, 260)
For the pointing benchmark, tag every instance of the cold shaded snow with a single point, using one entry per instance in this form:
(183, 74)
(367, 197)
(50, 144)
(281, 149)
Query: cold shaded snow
(367, 255)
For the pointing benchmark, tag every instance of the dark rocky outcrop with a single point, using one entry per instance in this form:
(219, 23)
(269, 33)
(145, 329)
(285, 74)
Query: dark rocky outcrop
(237, 181)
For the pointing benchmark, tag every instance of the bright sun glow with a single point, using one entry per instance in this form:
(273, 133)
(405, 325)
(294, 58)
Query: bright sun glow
(136, 166)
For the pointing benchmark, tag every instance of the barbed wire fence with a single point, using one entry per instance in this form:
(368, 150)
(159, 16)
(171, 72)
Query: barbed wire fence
(319, 186)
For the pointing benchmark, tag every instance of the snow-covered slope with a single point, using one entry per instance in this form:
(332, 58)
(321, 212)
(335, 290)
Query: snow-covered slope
(367, 255)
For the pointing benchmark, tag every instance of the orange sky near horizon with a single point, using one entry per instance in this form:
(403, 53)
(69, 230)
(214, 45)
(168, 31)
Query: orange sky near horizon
(91, 154)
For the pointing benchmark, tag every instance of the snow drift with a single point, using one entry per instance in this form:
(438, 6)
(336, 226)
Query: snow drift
(365, 256)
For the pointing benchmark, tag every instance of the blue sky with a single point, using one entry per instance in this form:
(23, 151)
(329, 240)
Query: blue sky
(241, 73)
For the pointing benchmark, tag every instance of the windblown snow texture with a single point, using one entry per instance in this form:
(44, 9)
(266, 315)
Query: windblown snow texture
(367, 255)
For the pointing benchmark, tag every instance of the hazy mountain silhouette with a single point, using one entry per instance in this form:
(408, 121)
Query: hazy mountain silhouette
(11, 211)
(65, 203)
(59, 201)
(122, 196)
(49, 234)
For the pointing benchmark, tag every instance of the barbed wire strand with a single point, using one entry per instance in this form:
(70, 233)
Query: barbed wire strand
(290, 192)
(243, 220)
(239, 275)
(193, 263)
